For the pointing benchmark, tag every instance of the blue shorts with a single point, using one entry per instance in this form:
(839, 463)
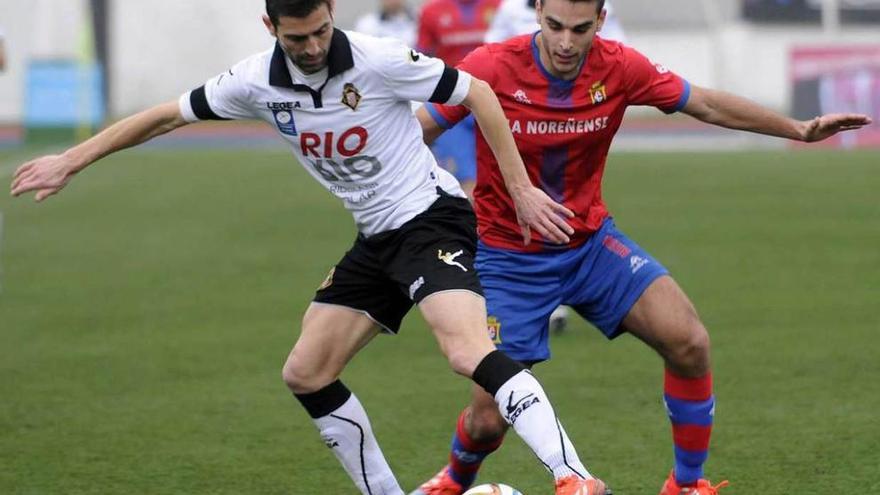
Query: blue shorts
(601, 280)
(456, 150)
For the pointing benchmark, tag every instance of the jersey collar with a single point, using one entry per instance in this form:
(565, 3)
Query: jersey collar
(339, 60)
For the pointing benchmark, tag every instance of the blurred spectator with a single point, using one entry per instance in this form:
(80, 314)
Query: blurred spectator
(2, 53)
(393, 20)
(450, 29)
(517, 17)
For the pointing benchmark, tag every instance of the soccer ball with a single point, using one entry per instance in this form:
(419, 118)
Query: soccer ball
(493, 489)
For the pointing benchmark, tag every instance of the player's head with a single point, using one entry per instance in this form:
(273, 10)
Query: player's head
(393, 6)
(567, 31)
(304, 29)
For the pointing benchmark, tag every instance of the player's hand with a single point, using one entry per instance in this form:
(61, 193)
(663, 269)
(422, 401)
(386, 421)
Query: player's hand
(536, 210)
(828, 125)
(46, 175)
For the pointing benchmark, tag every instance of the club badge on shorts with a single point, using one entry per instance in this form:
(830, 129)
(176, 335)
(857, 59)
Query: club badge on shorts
(351, 97)
(329, 280)
(494, 327)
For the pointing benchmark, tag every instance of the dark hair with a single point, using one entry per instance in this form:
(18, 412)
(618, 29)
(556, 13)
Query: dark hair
(600, 4)
(276, 9)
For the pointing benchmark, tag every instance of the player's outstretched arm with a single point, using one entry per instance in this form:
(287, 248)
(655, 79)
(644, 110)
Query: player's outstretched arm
(735, 112)
(534, 209)
(49, 174)
(431, 130)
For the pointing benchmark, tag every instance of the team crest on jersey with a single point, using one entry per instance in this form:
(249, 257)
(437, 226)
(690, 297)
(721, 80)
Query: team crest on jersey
(283, 112)
(351, 97)
(494, 327)
(329, 280)
(597, 93)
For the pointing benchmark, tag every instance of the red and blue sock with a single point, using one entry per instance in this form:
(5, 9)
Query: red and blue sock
(691, 408)
(467, 454)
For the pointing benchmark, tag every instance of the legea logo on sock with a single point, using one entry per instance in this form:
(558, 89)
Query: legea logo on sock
(515, 409)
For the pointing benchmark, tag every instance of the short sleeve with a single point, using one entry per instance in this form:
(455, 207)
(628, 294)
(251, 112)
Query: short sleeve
(479, 63)
(418, 77)
(652, 84)
(224, 97)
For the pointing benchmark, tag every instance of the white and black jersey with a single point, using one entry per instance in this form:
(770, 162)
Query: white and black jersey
(350, 125)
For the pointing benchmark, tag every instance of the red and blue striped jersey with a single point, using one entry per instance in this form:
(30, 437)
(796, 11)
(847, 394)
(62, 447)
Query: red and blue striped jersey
(563, 129)
(450, 29)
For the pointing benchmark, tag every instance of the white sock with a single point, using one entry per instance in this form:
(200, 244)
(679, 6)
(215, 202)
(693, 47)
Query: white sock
(347, 431)
(525, 406)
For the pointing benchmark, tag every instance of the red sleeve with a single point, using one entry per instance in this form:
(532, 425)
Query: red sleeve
(652, 84)
(426, 42)
(479, 64)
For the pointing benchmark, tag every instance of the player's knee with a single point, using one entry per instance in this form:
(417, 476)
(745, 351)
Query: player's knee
(302, 378)
(691, 353)
(487, 425)
(462, 360)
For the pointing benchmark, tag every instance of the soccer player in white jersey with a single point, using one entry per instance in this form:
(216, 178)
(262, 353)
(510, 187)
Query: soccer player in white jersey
(393, 19)
(342, 101)
(516, 17)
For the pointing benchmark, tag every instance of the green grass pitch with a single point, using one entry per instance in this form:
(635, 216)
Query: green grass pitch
(146, 311)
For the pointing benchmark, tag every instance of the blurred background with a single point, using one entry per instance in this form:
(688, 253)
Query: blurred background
(86, 62)
(146, 311)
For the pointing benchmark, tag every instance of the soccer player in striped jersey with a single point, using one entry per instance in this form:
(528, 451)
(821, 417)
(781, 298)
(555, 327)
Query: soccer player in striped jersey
(564, 92)
(516, 17)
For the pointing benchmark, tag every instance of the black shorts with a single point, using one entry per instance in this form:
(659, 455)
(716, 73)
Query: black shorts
(385, 274)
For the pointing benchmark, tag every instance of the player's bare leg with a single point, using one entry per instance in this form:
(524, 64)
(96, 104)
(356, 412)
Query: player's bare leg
(458, 320)
(331, 336)
(665, 319)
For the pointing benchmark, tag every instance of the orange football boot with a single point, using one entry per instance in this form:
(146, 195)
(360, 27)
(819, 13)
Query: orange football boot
(575, 485)
(703, 487)
(440, 484)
